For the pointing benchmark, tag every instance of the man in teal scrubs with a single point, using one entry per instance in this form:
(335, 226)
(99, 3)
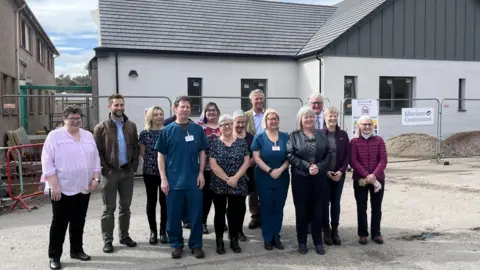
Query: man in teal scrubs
(181, 160)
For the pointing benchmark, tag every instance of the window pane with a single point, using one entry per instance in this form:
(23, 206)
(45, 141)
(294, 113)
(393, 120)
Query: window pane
(401, 87)
(348, 93)
(195, 89)
(385, 93)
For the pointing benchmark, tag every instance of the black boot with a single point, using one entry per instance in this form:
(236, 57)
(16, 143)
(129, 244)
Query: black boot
(327, 236)
(234, 245)
(336, 239)
(163, 237)
(220, 246)
(153, 238)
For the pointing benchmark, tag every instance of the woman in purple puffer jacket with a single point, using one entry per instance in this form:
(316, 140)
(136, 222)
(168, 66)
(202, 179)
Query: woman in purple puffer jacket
(368, 161)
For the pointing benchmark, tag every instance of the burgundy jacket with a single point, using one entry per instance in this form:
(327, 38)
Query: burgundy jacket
(343, 149)
(368, 156)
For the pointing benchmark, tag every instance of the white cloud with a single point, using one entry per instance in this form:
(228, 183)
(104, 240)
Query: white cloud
(69, 49)
(73, 64)
(65, 16)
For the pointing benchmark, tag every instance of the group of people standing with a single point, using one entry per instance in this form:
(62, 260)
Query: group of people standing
(221, 159)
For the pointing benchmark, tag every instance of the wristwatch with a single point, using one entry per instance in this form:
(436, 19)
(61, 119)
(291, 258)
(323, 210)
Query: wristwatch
(97, 180)
(270, 171)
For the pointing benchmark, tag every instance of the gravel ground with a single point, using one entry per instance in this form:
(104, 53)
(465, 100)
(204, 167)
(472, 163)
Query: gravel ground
(442, 201)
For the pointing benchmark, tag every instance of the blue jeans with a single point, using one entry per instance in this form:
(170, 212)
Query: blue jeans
(331, 205)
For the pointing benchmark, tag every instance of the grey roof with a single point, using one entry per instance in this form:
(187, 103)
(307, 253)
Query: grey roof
(348, 13)
(215, 26)
(245, 27)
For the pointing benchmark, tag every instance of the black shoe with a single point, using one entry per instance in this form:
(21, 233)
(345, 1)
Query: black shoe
(205, 229)
(336, 239)
(327, 236)
(242, 237)
(163, 237)
(198, 253)
(234, 245)
(278, 244)
(378, 239)
(128, 242)
(80, 256)
(153, 238)
(108, 247)
(268, 245)
(363, 240)
(253, 224)
(220, 246)
(319, 249)
(186, 225)
(302, 248)
(55, 264)
(177, 253)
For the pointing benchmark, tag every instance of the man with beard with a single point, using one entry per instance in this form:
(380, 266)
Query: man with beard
(117, 142)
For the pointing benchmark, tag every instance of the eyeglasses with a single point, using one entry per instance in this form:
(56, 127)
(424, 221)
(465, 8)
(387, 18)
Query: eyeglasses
(317, 103)
(227, 125)
(366, 125)
(74, 119)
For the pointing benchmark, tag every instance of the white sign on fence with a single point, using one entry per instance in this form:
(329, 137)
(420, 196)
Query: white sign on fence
(364, 107)
(418, 116)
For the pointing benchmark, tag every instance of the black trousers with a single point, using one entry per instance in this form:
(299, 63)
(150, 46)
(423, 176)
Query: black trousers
(235, 214)
(69, 211)
(155, 194)
(361, 196)
(207, 195)
(308, 197)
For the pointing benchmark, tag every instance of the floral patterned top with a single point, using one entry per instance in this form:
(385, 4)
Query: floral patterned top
(149, 139)
(212, 134)
(230, 159)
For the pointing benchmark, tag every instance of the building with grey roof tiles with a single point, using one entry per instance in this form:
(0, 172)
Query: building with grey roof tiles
(387, 49)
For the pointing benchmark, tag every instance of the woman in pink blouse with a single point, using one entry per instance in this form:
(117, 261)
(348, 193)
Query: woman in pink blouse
(71, 169)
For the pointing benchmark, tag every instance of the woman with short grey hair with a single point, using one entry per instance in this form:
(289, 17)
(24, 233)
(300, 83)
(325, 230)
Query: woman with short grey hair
(309, 156)
(229, 160)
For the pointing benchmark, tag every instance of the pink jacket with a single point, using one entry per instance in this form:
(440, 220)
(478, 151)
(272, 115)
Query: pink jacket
(368, 156)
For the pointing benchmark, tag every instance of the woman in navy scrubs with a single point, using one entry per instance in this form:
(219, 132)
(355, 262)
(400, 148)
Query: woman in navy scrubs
(270, 154)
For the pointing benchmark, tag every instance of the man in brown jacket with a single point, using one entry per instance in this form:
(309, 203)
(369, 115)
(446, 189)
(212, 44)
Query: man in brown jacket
(117, 142)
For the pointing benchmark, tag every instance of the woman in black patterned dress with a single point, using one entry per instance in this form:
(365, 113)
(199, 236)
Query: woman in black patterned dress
(151, 175)
(229, 161)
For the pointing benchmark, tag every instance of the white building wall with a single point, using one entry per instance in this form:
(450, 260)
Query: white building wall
(432, 79)
(167, 76)
(308, 77)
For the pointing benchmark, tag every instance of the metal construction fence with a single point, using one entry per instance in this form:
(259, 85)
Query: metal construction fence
(287, 107)
(22, 170)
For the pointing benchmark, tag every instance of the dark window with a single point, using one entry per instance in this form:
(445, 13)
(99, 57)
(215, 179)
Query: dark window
(195, 90)
(395, 93)
(461, 95)
(247, 86)
(349, 92)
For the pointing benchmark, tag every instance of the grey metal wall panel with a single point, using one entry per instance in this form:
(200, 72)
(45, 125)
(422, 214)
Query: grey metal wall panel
(365, 40)
(430, 29)
(450, 30)
(417, 29)
(376, 36)
(440, 25)
(353, 42)
(470, 30)
(420, 22)
(387, 32)
(399, 30)
(460, 29)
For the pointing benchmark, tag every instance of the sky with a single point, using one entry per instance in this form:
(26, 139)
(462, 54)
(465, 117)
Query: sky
(71, 28)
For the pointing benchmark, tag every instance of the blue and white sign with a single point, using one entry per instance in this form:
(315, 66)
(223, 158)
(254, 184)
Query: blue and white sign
(418, 116)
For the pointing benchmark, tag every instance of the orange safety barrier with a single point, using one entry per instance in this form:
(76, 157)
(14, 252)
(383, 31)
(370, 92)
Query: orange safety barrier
(24, 170)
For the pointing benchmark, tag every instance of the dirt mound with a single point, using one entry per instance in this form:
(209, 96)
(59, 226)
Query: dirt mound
(412, 145)
(419, 145)
(465, 143)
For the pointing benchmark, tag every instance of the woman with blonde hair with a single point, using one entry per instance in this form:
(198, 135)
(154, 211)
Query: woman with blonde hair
(270, 153)
(339, 144)
(151, 176)
(309, 155)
